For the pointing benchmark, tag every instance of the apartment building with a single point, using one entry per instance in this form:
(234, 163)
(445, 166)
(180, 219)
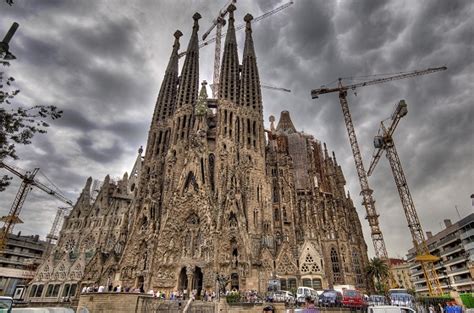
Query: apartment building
(18, 262)
(401, 273)
(455, 247)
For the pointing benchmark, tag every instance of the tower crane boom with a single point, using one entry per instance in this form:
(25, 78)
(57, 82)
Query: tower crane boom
(384, 142)
(28, 181)
(366, 191)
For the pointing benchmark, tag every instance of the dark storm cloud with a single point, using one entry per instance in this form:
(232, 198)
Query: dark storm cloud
(102, 63)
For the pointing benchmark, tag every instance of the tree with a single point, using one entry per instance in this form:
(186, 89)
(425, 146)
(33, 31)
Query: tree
(378, 270)
(18, 124)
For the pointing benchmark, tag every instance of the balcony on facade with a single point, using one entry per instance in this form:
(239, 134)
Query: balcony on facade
(451, 250)
(467, 234)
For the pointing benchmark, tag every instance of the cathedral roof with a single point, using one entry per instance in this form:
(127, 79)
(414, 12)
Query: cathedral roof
(285, 124)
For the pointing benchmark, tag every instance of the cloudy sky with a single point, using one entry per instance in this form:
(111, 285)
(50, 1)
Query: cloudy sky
(102, 63)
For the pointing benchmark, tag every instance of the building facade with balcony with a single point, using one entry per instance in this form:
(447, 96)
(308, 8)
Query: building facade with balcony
(454, 245)
(401, 273)
(18, 261)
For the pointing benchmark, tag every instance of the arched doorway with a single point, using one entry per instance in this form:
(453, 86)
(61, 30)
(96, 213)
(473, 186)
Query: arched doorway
(183, 280)
(197, 281)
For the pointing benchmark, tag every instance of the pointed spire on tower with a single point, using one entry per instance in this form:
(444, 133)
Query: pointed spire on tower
(285, 124)
(229, 77)
(189, 81)
(326, 154)
(167, 96)
(250, 92)
(334, 158)
(85, 196)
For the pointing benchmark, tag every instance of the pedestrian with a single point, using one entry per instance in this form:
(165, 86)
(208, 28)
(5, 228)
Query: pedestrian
(309, 306)
(431, 309)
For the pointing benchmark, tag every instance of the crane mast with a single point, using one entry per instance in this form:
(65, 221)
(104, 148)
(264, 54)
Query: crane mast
(366, 192)
(28, 181)
(368, 201)
(13, 216)
(385, 142)
(53, 235)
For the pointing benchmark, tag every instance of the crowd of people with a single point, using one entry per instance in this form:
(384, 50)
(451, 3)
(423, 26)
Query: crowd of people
(173, 295)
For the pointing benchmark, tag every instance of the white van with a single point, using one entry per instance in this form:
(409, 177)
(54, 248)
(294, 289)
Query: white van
(303, 292)
(389, 309)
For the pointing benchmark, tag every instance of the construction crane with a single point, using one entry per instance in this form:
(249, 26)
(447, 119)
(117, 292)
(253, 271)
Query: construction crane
(267, 87)
(218, 23)
(368, 201)
(384, 142)
(53, 235)
(28, 181)
(274, 88)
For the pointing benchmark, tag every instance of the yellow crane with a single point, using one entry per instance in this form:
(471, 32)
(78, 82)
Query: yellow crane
(368, 201)
(13, 217)
(384, 142)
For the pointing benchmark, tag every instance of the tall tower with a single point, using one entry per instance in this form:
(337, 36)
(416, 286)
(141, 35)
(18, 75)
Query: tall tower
(229, 81)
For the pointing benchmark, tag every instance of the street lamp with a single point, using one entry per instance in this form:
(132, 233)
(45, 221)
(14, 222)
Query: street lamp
(4, 44)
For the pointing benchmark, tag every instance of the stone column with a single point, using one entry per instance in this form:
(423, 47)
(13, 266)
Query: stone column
(190, 275)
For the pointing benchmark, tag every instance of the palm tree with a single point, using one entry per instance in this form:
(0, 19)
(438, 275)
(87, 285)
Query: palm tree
(378, 270)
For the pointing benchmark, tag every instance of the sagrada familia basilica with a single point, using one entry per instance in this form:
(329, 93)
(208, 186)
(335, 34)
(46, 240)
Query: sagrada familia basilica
(216, 193)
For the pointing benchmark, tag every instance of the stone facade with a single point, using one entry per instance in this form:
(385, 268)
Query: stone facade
(216, 193)
(91, 240)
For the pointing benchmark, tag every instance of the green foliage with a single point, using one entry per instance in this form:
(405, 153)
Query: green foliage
(468, 300)
(435, 300)
(233, 297)
(378, 270)
(18, 124)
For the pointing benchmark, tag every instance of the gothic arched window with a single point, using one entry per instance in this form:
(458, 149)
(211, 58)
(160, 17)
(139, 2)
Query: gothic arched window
(336, 267)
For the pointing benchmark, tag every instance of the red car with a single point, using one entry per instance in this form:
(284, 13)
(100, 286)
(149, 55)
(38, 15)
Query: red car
(353, 299)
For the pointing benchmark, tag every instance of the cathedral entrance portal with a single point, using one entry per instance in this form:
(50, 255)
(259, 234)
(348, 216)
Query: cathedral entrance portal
(197, 281)
(183, 280)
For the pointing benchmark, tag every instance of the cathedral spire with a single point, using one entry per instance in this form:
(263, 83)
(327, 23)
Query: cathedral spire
(285, 124)
(167, 96)
(250, 92)
(229, 78)
(189, 81)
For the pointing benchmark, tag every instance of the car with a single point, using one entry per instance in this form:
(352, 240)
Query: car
(330, 297)
(378, 300)
(6, 304)
(401, 297)
(282, 296)
(303, 292)
(353, 299)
